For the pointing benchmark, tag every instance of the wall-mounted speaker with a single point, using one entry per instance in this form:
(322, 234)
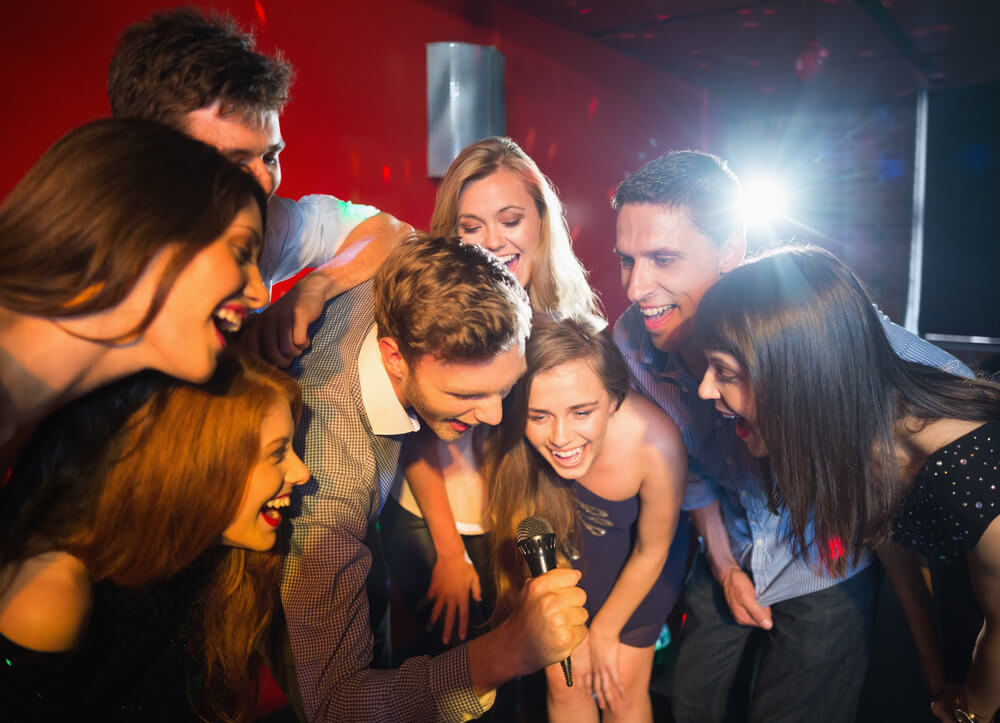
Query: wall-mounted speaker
(465, 100)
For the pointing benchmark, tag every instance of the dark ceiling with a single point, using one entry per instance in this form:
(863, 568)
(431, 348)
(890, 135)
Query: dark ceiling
(843, 51)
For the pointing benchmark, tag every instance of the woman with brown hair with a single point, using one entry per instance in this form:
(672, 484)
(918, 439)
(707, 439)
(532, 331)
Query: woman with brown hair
(434, 527)
(127, 246)
(864, 449)
(607, 468)
(136, 571)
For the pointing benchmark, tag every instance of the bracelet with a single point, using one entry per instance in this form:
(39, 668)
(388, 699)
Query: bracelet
(962, 715)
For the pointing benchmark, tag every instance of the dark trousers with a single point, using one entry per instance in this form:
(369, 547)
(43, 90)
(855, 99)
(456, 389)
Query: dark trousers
(812, 662)
(409, 554)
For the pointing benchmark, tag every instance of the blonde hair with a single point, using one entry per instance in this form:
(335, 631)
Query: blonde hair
(559, 281)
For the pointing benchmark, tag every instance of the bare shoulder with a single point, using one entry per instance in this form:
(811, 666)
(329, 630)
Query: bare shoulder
(653, 426)
(47, 605)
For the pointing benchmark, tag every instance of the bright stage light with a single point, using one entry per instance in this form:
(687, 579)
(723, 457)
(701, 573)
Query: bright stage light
(764, 201)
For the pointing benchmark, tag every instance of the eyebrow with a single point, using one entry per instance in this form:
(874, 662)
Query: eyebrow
(512, 207)
(575, 407)
(277, 444)
(233, 152)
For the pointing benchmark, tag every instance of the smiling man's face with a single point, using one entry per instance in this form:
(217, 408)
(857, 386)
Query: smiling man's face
(667, 265)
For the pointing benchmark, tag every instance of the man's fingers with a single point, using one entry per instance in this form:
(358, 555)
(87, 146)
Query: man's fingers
(269, 348)
(559, 580)
(286, 345)
(761, 616)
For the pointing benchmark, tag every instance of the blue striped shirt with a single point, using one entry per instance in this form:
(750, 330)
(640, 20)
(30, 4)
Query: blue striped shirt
(720, 467)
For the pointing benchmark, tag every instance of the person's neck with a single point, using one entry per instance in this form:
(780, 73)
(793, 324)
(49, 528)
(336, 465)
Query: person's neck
(916, 440)
(693, 359)
(42, 366)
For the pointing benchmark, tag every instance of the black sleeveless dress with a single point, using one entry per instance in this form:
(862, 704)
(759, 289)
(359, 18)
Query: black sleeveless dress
(954, 498)
(132, 666)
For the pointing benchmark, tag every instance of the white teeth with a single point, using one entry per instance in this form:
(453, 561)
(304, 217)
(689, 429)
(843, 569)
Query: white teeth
(655, 311)
(506, 258)
(277, 502)
(566, 453)
(228, 319)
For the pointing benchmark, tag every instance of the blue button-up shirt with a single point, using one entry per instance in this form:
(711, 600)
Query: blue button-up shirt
(721, 468)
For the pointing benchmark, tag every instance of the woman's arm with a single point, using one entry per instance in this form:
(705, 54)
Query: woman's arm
(981, 689)
(660, 495)
(453, 577)
(903, 569)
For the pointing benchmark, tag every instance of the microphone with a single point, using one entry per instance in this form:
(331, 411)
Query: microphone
(537, 542)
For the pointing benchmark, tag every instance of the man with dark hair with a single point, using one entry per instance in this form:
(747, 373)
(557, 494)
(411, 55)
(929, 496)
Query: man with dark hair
(202, 76)
(679, 230)
(437, 338)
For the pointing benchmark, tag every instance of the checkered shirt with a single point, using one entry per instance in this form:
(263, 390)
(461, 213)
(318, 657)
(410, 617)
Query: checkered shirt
(323, 588)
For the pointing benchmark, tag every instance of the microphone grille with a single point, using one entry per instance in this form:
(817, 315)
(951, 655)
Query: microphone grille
(532, 527)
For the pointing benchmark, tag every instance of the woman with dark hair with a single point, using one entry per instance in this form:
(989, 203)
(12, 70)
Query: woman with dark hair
(435, 528)
(127, 246)
(862, 446)
(607, 468)
(136, 572)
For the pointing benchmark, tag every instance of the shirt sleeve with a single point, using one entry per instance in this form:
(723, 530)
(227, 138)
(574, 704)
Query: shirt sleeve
(325, 600)
(912, 348)
(700, 490)
(306, 233)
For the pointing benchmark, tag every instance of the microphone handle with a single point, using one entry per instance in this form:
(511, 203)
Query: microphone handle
(540, 562)
(567, 666)
(539, 565)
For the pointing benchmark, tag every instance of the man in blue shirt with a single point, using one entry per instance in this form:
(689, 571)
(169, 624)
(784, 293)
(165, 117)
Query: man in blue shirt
(678, 232)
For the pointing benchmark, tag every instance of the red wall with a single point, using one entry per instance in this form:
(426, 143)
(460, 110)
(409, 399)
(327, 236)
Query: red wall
(357, 124)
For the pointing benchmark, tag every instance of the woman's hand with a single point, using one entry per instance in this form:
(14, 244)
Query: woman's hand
(943, 705)
(452, 581)
(607, 683)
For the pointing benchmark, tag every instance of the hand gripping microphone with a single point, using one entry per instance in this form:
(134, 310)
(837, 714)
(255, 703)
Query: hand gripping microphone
(537, 542)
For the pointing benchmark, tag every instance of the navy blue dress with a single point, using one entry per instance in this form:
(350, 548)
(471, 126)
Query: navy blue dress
(609, 530)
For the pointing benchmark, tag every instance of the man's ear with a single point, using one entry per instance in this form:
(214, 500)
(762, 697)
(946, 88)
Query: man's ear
(392, 359)
(732, 252)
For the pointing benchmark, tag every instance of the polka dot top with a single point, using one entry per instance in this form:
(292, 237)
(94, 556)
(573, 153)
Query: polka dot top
(954, 498)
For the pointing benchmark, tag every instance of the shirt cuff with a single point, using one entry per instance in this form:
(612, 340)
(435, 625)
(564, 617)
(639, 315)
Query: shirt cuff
(698, 494)
(452, 687)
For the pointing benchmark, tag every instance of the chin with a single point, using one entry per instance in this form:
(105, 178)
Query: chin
(187, 369)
